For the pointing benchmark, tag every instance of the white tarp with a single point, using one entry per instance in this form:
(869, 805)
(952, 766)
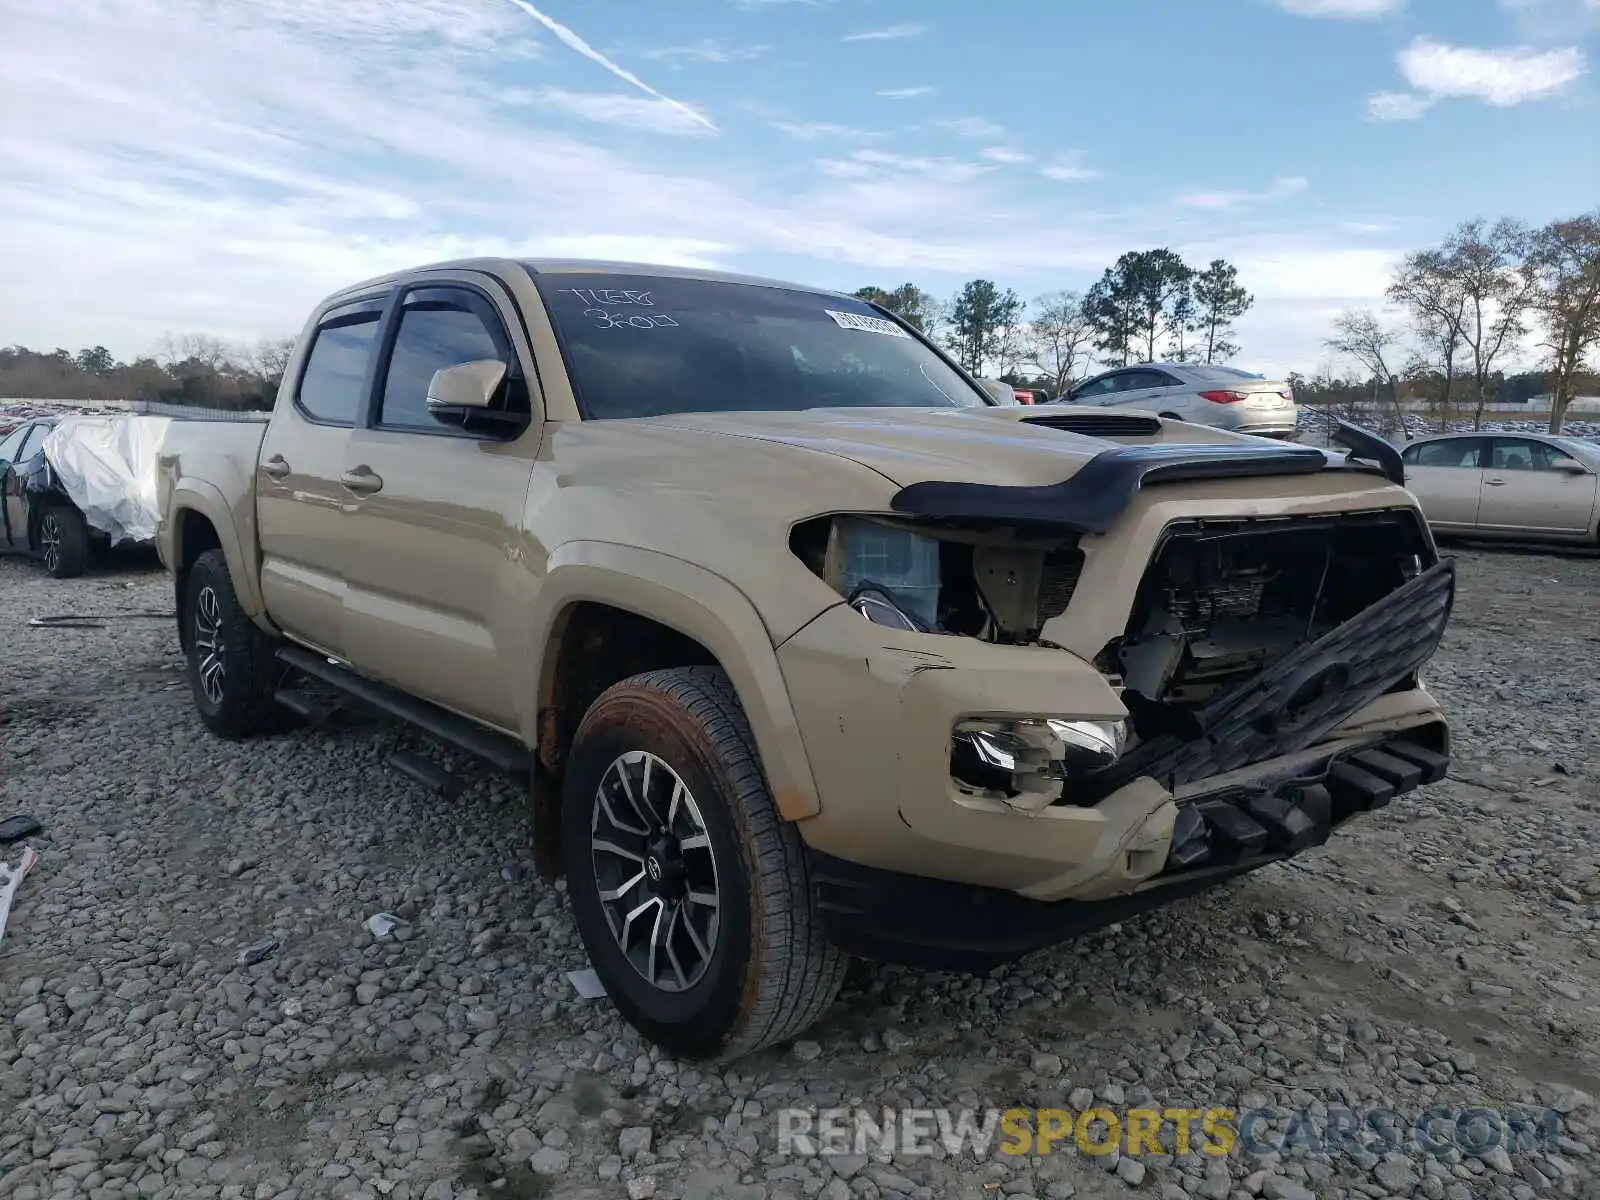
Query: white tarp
(107, 467)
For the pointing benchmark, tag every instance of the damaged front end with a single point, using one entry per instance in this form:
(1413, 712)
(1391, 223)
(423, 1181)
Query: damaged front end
(1250, 646)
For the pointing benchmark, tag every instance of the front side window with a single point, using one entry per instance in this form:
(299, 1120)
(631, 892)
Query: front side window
(12, 443)
(646, 346)
(436, 332)
(1104, 386)
(1443, 454)
(336, 370)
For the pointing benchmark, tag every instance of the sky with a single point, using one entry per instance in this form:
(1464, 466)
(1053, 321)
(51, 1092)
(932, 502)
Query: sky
(219, 165)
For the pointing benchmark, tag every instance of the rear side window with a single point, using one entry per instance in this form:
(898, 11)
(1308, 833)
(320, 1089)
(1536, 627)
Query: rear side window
(439, 331)
(336, 369)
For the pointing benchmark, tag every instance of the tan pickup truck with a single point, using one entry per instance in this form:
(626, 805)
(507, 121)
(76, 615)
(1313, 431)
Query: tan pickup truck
(804, 646)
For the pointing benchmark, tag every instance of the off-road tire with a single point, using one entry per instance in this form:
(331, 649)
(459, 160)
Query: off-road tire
(243, 704)
(770, 973)
(64, 542)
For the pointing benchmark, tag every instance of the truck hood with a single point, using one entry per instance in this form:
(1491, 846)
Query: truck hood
(915, 445)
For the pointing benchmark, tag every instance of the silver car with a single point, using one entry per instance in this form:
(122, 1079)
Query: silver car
(1223, 397)
(1496, 485)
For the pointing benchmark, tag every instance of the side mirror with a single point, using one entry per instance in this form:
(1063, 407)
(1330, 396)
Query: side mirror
(1570, 466)
(469, 385)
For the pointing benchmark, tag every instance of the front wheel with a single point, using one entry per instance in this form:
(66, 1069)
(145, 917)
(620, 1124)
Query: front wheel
(64, 542)
(232, 668)
(691, 894)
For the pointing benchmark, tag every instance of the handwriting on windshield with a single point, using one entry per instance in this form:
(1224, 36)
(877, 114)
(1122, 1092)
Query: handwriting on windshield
(599, 297)
(624, 320)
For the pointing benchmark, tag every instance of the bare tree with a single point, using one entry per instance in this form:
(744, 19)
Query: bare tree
(1489, 265)
(1427, 286)
(270, 357)
(201, 349)
(1060, 337)
(1360, 335)
(1564, 268)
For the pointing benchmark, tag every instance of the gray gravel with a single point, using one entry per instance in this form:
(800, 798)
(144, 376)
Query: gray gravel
(190, 1004)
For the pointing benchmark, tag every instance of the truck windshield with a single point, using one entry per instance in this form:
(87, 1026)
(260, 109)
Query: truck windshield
(646, 346)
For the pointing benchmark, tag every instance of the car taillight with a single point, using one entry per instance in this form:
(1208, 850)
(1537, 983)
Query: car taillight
(1223, 397)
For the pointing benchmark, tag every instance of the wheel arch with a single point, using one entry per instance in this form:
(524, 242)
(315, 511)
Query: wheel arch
(198, 519)
(608, 610)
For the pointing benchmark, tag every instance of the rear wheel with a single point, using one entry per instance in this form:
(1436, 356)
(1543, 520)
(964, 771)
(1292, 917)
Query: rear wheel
(64, 542)
(690, 892)
(232, 667)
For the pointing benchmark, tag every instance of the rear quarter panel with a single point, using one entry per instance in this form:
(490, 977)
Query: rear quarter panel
(208, 469)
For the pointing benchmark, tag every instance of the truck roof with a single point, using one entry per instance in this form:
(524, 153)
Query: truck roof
(562, 266)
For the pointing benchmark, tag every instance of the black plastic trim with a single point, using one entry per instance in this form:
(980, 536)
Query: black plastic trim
(1099, 424)
(1092, 499)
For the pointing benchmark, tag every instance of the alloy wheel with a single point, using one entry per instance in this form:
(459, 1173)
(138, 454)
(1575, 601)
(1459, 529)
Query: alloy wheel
(208, 645)
(50, 542)
(655, 871)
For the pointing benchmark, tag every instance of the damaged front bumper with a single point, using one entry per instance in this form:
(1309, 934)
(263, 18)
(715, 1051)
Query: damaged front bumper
(943, 925)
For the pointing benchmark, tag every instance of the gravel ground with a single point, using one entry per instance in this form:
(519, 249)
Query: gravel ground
(1445, 952)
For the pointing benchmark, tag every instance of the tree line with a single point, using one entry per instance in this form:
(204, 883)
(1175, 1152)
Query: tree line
(1151, 305)
(194, 369)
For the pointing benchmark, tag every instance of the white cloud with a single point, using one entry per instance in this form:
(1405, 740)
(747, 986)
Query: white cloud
(882, 164)
(816, 131)
(619, 108)
(1503, 77)
(906, 93)
(1397, 106)
(1005, 155)
(1281, 189)
(971, 127)
(707, 50)
(888, 33)
(570, 39)
(1357, 10)
(1069, 170)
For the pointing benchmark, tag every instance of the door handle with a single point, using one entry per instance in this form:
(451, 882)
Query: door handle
(363, 481)
(1495, 482)
(276, 467)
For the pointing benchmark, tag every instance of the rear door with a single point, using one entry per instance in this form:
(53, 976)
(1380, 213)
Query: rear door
(438, 590)
(1524, 493)
(1446, 478)
(300, 501)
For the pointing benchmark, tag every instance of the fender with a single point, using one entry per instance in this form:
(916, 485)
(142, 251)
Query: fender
(701, 605)
(196, 495)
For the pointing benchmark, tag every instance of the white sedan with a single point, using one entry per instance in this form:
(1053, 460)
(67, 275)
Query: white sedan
(1520, 486)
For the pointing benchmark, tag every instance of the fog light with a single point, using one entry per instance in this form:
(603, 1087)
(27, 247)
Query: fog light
(1027, 761)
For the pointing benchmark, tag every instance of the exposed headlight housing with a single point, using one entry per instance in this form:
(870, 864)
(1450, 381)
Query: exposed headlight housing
(1030, 761)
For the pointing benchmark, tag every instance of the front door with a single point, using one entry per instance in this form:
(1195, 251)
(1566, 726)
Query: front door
(300, 500)
(13, 511)
(1523, 491)
(1447, 481)
(437, 586)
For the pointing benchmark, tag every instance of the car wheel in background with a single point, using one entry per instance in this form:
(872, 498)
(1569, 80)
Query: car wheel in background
(63, 542)
(232, 668)
(690, 892)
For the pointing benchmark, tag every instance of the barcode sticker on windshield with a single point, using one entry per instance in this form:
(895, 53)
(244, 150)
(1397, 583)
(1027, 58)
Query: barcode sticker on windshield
(849, 320)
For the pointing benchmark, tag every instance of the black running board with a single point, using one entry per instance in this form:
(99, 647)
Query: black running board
(499, 751)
